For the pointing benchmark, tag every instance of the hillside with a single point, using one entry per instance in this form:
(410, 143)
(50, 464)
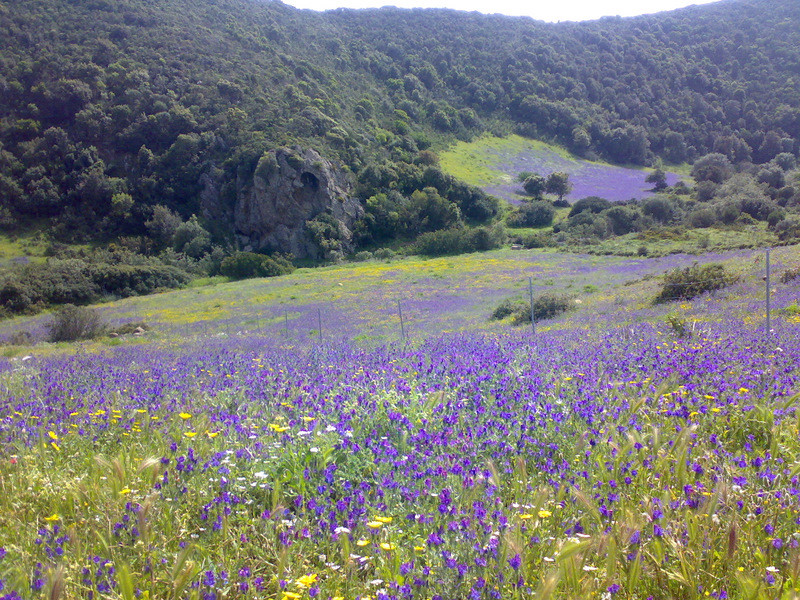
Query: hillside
(625, 450)
(122, 120)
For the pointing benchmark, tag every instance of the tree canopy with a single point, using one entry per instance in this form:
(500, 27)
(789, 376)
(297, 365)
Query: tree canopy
(111, 110)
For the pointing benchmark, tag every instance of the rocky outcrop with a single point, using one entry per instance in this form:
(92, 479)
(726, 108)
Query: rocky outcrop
(290, 187)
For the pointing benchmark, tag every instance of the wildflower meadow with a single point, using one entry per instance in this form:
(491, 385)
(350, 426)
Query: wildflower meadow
(609, 456)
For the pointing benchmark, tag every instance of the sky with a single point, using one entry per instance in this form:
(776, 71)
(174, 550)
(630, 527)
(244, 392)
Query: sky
(545, 10)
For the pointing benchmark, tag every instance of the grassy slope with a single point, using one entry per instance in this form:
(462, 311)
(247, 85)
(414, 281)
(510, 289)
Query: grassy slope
(82, 440)
(360, 300)
(476, 162)
(488, 162)
(27, 246)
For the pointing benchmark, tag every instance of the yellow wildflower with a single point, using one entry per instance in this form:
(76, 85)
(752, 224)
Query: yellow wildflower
(543, 514)
(307, 580)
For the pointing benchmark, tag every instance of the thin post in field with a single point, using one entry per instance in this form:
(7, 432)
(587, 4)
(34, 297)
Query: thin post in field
(530, 294)
(402, 327)
(768, 294)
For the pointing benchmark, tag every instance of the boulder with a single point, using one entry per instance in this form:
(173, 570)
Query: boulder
(291, 186)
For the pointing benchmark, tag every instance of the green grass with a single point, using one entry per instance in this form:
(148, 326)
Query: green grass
(672, 240)
(362, 297)
(475, 162)
(30, 246)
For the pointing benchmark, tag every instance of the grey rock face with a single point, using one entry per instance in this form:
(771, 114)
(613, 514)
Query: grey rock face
(291, 186)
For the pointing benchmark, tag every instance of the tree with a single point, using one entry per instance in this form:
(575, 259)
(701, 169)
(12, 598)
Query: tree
(191, 238)
(163, 224)
(534, 186)
(581, 140)
(658, 178)
(558, 183)
(712, 167)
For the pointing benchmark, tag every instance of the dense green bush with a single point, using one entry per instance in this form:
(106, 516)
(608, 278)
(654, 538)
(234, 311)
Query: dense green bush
(702, 218)
(545, 306)
(459, 240)
(243, 265)
(33, 287)
(361, 256)
(136, 280)
(663, 210)
(788, 229)
(585, 226)
(71, 323)
(789, 275)
(384, 254)
(507, 308)
(593, 204)
(689, 282)
(536, 213)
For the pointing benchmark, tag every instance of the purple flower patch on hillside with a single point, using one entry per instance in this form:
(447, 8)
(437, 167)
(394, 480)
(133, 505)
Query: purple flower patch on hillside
(611, 182)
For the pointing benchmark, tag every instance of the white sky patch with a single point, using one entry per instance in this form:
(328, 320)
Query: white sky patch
(562, 10)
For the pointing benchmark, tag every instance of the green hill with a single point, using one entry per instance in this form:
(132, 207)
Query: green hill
(122, 120)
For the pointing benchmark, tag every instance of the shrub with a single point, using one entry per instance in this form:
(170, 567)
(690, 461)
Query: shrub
(384, 254)
(728, 212)
(679, 325)
(687, 283)
(536, 240)
(136, 280)
(545, 306)
(586, 225)
(532, 214)
(84, 280)
(702, 217)
(758, 208)
(623, 219)
(507, 308)
(788, 229)
(705, 191)
(775, 217)
(71, 323)
(790, 275)
(459, 240)
(662, 210)
(20, 338)
(551, 304)
(362, 256)
(243, 265)
(593, 204)
(130, 328)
